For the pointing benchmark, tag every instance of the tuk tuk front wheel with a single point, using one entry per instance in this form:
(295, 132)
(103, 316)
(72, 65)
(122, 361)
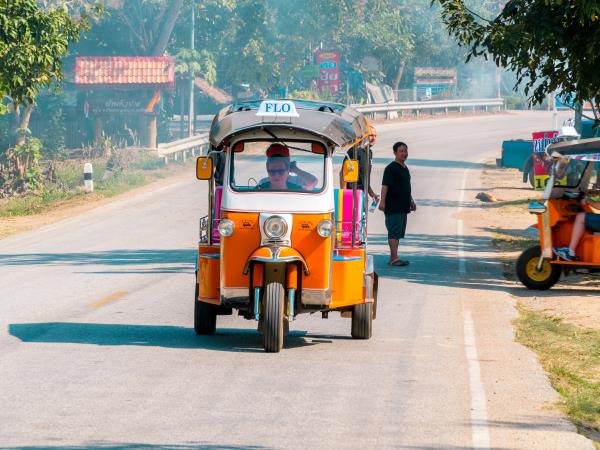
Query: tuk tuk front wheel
(272, 310)
(205, 317)
(362, 321)
(530, 276)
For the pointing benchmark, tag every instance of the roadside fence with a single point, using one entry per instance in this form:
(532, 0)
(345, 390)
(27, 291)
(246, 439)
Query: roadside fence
(393, 110)
(198, 144)
(182, 148)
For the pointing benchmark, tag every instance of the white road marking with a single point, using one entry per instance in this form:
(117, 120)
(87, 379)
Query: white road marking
(479, 428)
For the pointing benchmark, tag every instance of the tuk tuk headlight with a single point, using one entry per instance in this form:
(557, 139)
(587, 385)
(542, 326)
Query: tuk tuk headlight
(275, 227)
(324, 228)
(226, 227)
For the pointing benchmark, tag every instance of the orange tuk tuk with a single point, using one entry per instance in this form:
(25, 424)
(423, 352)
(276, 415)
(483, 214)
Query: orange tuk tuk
(280, 239)
(572, 190)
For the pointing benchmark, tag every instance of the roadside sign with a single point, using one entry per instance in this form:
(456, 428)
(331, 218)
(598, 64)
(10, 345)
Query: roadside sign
(329, 71)
(542, 164)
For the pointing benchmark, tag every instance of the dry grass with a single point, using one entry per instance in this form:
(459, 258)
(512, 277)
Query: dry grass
(571, 356)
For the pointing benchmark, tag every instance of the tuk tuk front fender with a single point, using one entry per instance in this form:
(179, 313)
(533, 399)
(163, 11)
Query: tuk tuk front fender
(276, 255)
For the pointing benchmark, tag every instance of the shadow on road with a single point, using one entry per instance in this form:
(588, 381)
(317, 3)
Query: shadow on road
(226, 339)
(434, 260)
(115, 446)
(441, 163)
(179, 260)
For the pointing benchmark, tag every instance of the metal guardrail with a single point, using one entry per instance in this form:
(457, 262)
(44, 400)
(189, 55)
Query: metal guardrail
(392, 109)
(198, 143)
(193, 145)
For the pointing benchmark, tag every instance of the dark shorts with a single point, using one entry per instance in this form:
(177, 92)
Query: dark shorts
(396, 225)
(592, 221)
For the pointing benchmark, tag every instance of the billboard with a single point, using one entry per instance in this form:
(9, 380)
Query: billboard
(329, 71)
(542, 163)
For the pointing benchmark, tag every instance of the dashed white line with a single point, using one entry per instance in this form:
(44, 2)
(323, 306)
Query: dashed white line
(479, 429)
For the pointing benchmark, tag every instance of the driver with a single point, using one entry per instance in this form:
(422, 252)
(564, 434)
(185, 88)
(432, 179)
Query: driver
(279, 168)
(583, 220)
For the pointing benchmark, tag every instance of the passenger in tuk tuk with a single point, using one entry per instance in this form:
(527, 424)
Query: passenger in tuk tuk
(279, 168)
(583, 221)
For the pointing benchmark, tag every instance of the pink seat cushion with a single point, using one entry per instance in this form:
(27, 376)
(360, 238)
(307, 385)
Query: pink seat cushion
(343, 216)
(216, 237)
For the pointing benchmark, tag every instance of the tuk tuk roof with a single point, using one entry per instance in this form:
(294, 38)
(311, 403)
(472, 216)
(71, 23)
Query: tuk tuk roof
(337, 123)
(581, 149)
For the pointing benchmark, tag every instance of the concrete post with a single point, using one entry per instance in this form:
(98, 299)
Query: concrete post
(88, 180)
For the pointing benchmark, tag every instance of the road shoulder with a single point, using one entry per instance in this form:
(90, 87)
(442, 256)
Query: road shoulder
(14, 225)
(512, 370)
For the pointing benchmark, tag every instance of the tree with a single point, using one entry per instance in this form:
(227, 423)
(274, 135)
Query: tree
(552, 45)
(33, 42)
(135, 27)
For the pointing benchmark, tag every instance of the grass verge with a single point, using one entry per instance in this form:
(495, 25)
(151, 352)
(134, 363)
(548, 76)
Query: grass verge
(571, 356)
(69, 185)
(568, 353)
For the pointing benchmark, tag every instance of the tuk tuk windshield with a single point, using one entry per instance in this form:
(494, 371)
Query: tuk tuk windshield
(568, 172)
(276, 166)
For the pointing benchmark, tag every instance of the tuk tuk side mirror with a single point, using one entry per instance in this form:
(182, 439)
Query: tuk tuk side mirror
(350, 171)
(204, 168)
(238, 147)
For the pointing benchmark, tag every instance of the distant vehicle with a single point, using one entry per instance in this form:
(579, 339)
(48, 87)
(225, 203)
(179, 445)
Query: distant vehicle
(517, 153)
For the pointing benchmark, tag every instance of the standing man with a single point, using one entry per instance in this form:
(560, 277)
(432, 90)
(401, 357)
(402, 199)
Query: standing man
(361, 156)
(396, 200)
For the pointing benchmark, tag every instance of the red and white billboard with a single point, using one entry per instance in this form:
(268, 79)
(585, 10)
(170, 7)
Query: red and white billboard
(329, 71)
(541, 162)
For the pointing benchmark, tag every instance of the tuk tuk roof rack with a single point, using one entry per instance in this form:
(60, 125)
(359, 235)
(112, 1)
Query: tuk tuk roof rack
(575, 147)
(339, 124)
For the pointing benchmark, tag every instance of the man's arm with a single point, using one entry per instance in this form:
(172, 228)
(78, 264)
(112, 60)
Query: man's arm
(384, 190)
(309, 181)
(593, 203)
(413, 205)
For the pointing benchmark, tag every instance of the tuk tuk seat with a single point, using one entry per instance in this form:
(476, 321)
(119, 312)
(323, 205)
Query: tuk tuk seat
(343, 217)
(216, 214)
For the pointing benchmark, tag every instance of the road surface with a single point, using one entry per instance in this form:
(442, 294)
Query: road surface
(97, 347)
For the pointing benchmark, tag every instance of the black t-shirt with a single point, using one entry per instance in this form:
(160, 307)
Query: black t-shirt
(397, 180)
(361, 157)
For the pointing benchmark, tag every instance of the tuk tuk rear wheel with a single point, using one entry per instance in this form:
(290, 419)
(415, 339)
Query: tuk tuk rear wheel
(205, 317)
(530, 276)
(272, 310)
(362, 321)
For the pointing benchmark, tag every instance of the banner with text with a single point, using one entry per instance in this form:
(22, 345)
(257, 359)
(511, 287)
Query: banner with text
(329, 71)
(542, 163)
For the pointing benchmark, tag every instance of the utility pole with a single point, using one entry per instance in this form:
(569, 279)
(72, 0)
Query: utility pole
(191, 112)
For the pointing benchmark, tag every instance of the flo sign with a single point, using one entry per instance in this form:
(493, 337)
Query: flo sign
(277, 108)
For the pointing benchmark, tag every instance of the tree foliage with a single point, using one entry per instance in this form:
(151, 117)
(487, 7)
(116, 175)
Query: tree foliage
(33, 42)
(550, 44)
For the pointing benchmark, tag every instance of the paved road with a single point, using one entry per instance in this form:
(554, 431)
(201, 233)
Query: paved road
(97, 349)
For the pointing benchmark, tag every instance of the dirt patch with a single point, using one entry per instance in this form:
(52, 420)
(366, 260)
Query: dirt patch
(79, 205)
(575, 298)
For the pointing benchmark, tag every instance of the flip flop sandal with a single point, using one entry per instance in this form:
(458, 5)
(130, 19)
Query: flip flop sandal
(399, 263)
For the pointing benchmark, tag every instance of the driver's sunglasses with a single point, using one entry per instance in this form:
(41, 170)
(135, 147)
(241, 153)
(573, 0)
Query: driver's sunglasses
(276, 172)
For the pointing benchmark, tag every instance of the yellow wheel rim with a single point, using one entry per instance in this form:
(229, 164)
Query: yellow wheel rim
(538, 275)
